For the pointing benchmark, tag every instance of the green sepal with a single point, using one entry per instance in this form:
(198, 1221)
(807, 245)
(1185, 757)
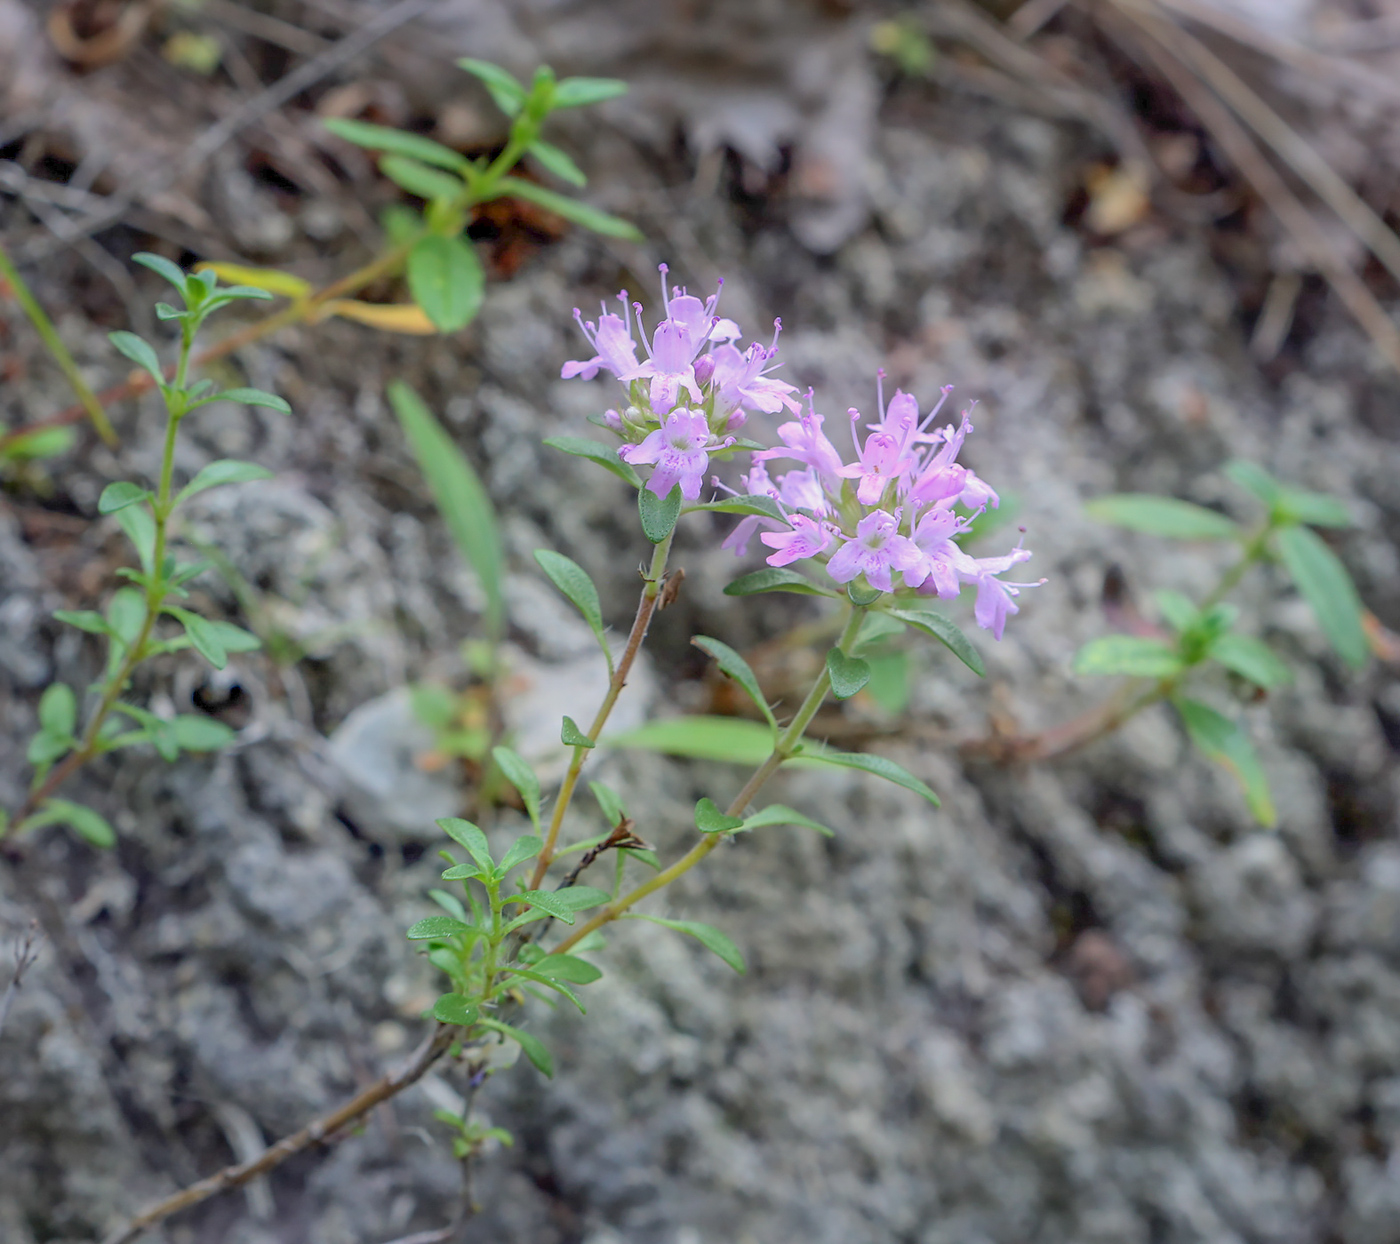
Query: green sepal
(710, 820)
(658, 514)
(571, 736)
(848, 674)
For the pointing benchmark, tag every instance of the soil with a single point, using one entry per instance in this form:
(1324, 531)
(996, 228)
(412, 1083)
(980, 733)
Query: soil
(1087, 1001)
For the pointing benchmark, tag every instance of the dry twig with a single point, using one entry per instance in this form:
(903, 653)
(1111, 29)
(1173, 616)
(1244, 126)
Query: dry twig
(434, 1046)
(25, 953)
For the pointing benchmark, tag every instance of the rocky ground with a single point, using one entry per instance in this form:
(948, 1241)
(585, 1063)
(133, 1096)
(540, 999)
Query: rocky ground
(1086, 1002)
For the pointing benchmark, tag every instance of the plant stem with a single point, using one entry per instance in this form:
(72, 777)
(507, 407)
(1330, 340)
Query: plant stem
(1255, 549)
(44, 327)
(90, 745)
(783, 750)
(646, 610)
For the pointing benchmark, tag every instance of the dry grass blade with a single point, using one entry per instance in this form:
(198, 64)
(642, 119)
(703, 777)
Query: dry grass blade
(1344, 73)
(1380, 240)
(1254, 166)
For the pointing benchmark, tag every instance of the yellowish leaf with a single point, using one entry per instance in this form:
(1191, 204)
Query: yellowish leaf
(405, 317)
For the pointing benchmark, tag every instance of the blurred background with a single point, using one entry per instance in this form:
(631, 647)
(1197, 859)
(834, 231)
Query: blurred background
(1086, 1002)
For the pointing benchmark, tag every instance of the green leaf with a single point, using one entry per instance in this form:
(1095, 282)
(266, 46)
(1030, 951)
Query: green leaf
(710, 820)
(85, 620)
(564, 904)
(462, 872)
(58, 709)
(1316, 509)
(950, 636)
(577, 92)
(45, 747)
(40, 444)
(436, 928)
(1177, 609)
(446, 279)
(453, 1008)
(505, 90)
(880, 766)
(890, 681)
(224, 471)
(730, 739)
(233, 638)
(706, 934)
(140, 528)
(781, 814)
(875, 630)
(1252, 659)
(557, 162)
(199, 733)
(1224, 742)
(427, 183)
(460, 497)
(126, 612)
(522, 777)
(609, 802)
(573, 580)
(88, 824)
(522, 849)
(532, 1045)
(848, 674)
(764, 507)
(659, 514)
(548, 983)
(203, 637)
(1129, 655)
(567, 968)
(139, 352)
(396, 142)
(1327, 587)
(450, 903)
(548, 902)
(569, 209)
(1161, 516)
(738, 669)
(164, 268)
(775, 579)
(469, 836)
(251, 397)
(1253, 478)
(119, 495)
(401, 224)
(605, 456)
(571, 736)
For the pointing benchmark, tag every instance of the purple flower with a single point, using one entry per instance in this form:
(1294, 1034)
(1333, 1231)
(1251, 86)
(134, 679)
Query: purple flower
(611, 337)
(996, 599)
(876, 550)
(806, 539)
(678, 450)
(944, 562)
(806, 442)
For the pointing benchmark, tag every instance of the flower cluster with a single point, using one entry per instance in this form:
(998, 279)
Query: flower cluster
(689, 397)
(889, 513)
(888, 520)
